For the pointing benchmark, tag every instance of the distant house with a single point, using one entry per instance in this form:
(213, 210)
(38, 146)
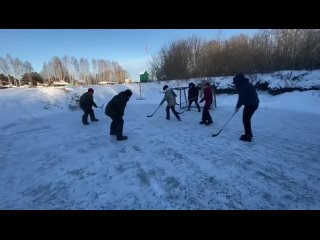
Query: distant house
(144, 76)
(106, 83)
(59, 84)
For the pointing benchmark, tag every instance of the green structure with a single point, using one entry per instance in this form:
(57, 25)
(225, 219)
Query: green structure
(144, 76)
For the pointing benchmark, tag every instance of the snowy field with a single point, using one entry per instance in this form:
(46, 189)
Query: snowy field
(49, 160)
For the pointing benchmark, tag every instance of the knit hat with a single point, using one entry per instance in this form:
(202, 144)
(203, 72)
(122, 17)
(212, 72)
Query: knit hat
(90, 90)
(239, 79)
(165, 87)
(128, 92)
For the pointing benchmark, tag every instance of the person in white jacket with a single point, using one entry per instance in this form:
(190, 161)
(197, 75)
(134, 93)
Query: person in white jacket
(170, 97)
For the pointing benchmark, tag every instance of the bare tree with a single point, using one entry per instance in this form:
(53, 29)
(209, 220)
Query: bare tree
(157, 68)
(195, 47)
(84, 70)
(94, 69)
(68, 68)
(58, 69)
(28, 70)
(75, 68)
(16, 66)
(5, 67)
(46, 72)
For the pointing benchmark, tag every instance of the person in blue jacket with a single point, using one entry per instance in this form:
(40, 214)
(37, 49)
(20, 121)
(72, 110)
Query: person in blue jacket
(249, 98)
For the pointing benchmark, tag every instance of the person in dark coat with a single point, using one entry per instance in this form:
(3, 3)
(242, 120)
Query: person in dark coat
(170, 97)
(86, 103)
(193, 94)
(249, 98)
(115, 110)
(208, 97)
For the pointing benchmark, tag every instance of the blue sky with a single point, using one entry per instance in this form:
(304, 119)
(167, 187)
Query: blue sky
(126, 46)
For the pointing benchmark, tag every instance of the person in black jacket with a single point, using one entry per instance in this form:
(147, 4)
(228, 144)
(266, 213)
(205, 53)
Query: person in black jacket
(86, 103)
(115, 110)
(193, 94)
(249, 98)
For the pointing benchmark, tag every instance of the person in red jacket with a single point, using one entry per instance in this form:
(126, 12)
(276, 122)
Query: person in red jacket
(206, 117)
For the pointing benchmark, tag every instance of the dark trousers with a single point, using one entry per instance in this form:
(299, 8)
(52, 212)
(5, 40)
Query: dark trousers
(173, 110)
(206, 117)
(196, 102)
(86, 113)
(246, 118)
(116, 126)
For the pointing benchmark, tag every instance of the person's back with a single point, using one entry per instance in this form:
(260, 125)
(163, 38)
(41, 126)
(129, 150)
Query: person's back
(170, 96)
(249, 98)
(193, 92)
(116, 106)
(115, 110)
(247, 93)
(86, 100)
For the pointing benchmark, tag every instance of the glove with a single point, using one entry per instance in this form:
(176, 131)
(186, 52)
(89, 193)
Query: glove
(236, 110)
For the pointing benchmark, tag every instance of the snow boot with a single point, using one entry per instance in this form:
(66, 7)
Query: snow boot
(208, 123)
(120, 138)
(245, 138)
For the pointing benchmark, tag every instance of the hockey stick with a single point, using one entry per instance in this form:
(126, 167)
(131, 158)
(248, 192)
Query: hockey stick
(154, 111)
(191, 99)
(214, 135)
(183, 111)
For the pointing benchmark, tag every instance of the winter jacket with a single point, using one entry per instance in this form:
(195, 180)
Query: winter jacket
(86, 101)
(115, 107)
(170, 96)
(193, 93)
(247, 94)
(207, 96)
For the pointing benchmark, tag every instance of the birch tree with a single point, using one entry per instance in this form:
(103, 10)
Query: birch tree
(28, 70)
(5, 68)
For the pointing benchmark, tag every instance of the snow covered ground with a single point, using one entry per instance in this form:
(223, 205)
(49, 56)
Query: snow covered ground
(49, 160)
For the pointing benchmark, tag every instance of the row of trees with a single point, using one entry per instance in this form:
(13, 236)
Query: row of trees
(13, 69)
(68, 69)
(267, 51)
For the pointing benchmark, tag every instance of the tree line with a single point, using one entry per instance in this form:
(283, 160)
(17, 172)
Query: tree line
(265, 52)
(12, 70)
(71, 70)
(67, 69)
